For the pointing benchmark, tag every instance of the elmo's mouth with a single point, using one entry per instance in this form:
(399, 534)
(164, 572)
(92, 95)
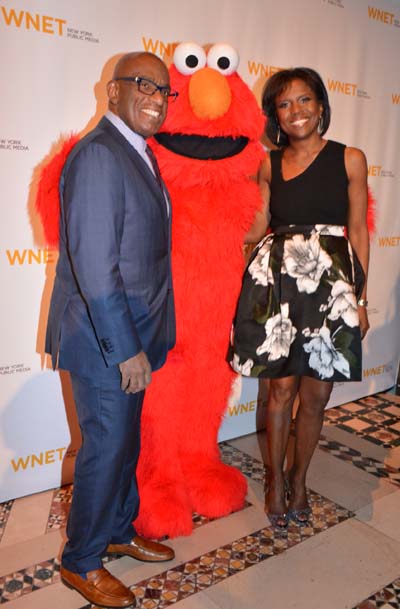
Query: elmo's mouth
(202, 147)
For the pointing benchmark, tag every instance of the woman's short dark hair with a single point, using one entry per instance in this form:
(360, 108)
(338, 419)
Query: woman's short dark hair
(277, 83)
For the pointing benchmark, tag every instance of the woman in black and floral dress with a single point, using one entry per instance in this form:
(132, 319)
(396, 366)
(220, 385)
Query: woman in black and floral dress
(302, 309)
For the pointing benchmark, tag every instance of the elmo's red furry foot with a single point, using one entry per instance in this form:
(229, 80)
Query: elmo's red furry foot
(165, 511)
(215, 489)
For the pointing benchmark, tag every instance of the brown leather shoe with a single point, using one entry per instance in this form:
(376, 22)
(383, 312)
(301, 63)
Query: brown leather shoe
(100, 588)
(143, 549)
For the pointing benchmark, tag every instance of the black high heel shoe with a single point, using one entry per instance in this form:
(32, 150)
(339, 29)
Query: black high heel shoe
(301, 516)
(279, 521)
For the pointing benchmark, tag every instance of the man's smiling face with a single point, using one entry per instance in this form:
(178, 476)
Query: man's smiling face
(144, 114)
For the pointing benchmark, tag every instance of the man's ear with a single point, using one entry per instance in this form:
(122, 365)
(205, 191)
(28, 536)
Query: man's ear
(113, 92)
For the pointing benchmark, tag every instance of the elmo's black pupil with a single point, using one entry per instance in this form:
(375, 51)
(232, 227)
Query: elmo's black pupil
(223, 63)
(191, 61)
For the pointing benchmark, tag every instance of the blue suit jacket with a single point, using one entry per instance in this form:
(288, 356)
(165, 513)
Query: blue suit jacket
(112, 295)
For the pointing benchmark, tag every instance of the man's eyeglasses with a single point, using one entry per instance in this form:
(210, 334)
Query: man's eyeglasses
(148, 87)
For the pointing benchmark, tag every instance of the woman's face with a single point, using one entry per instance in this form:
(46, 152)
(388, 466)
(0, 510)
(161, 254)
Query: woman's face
(298, 110)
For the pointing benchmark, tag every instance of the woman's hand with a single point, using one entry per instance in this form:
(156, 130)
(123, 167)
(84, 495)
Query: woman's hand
(363, 318)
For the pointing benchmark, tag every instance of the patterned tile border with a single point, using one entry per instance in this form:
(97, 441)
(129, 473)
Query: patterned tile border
(5, 509)
(59, 508)
(28, 580)
(250, 467)
(387, 598)
(256, 470)
(367, 464)
(61, 504)
(374, 418)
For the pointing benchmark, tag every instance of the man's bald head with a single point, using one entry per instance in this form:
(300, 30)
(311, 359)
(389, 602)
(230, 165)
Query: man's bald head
(128, 60)
(143, 113)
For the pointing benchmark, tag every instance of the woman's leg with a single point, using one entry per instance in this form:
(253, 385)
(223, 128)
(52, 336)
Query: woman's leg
(314, 395)
(282, 393)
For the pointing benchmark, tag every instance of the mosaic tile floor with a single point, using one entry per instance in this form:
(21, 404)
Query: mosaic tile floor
(207, 570)
(374, 418)
(188, 578)
(372, 466)
(21, 583)
(216, 568)
(386, 598)
(5, 509)
(61, 503)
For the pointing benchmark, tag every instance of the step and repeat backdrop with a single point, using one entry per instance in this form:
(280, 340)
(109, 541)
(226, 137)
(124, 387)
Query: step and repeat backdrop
(56, 58)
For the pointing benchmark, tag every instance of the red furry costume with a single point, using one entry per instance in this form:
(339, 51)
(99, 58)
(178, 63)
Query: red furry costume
(214, 129)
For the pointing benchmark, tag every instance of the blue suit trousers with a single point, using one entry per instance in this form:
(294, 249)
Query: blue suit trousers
(105, 498)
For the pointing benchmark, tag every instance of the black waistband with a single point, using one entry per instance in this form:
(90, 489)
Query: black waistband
(304, 229)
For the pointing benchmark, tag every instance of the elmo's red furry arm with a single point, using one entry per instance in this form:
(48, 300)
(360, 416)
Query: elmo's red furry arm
(48, 200)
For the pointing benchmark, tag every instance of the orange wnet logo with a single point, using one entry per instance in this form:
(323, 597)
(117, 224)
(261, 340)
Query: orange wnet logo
(396, 98)
(389, 241)
(346, 88)
(256, 68)
(380, 15)
(19, 257)
(158, 47)
(46, 457)
(33, 21)
(374, 170)
(237, 409)
(377, 370)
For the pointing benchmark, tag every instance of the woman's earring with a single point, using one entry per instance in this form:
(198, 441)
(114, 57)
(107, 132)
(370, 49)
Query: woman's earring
(278, 135)
(320, 125)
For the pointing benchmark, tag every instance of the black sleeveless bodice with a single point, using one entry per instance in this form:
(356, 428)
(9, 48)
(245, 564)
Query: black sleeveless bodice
(317, 196)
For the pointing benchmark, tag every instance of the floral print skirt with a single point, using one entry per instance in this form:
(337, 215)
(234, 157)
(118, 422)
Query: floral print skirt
(297, 311)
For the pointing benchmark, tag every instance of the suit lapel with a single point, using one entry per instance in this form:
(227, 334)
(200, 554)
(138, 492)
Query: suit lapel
(140, 165)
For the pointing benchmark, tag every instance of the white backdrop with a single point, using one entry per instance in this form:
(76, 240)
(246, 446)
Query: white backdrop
(56, 58)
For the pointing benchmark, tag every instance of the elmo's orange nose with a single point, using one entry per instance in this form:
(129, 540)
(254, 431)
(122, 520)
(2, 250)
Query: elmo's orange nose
(209, 94)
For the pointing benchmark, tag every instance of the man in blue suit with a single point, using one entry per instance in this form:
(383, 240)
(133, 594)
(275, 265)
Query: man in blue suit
(111, 319)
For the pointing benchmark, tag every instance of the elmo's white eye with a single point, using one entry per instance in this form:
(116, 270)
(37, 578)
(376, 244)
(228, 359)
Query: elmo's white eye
(224, 58)
(189, 57)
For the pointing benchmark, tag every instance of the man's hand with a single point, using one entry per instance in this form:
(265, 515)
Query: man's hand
(135, 373)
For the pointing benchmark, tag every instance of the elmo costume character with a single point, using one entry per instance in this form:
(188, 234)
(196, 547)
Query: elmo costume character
(209, 154)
